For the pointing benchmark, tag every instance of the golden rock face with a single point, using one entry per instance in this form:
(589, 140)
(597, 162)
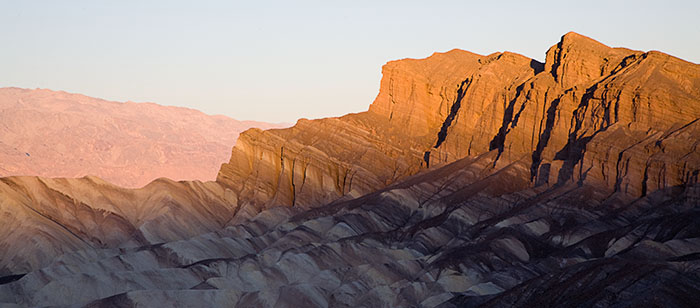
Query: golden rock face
(617, 117)
(470, 180)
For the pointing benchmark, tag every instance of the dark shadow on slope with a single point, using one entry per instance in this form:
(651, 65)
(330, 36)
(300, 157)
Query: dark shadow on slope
(537, 66)
(509, 121)
(557, 61)
(573, 152)
(543, 140)
(453, 113)
(426, 158)
(10, 278)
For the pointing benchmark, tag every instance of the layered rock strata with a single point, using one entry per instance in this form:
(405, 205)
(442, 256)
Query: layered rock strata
(44, 218)
(461, 235)
(471, 181)
(624, 119)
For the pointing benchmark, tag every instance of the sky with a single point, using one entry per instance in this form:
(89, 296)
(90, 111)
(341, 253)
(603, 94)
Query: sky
(277, 61)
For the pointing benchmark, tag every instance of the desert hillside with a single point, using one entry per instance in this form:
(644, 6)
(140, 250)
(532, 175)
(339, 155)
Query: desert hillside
(472, 180)
(57, 134)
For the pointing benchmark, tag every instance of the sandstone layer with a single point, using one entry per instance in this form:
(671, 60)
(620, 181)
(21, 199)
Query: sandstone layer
(627, 120)
(493, 181)
(57, 134)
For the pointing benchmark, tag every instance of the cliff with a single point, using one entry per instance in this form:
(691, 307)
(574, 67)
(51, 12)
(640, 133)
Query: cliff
(493, 181)
(614, 117)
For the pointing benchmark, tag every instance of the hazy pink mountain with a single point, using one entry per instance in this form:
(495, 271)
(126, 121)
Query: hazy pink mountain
(58, 134)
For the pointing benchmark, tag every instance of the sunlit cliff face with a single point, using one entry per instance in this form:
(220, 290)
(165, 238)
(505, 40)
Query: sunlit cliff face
(472, 180)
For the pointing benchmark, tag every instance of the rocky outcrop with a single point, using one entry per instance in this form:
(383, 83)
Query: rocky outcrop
(602, 114)
(620, 118)
(461, 235)
(318, 161)
(57, 134)
(471, 181)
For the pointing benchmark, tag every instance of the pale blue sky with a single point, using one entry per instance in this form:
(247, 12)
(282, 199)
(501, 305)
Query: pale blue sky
(282, 60)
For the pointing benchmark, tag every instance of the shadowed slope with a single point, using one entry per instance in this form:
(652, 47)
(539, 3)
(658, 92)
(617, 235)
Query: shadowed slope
(453, 236)
(576, 179)
(43, 218)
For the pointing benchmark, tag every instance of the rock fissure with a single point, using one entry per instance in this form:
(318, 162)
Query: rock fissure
(368, 226)
(544, 137)
(294, 188)
(461, 92)
(498, 141)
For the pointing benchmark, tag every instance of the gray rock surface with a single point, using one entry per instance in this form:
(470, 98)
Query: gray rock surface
(471, 181)
(430, 240)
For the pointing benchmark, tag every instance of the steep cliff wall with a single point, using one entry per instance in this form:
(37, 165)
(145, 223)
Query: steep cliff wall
(623, 119)
(597, 126)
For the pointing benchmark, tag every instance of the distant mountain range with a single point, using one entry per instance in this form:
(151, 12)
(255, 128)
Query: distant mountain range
(57, 134)
(472, 180)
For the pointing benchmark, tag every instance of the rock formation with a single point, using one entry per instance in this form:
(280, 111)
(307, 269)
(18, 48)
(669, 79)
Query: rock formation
(590, 113)
(493, 181)
(62, 215)
(461, 235)
(57, 134)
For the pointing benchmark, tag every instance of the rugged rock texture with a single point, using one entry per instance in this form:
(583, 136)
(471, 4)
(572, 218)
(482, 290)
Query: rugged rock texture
(465, 234)
(57, 134)
(471, 181)
(318, 161)
(607, 115)
(590, 113)
(44, 218)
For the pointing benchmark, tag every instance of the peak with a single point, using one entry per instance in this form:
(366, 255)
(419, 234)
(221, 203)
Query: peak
(455, 51)
(576, 37)
(506, 56)
(451, 55)
(572, 34)
(438, 64)
(452, 52)
(662, 56)
(578, 59)
(573, 40)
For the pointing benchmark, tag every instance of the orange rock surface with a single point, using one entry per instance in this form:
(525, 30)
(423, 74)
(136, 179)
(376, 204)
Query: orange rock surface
(626, 120)
(471, 180)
